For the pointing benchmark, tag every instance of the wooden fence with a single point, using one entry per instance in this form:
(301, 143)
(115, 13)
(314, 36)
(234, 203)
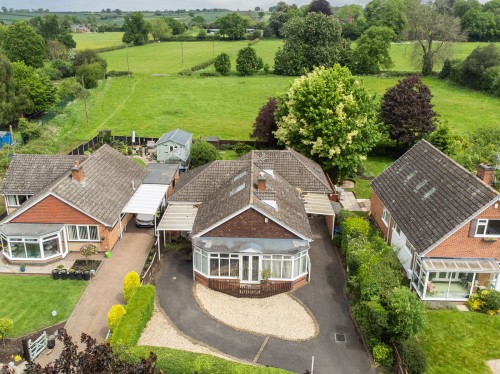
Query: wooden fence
(249, 291)
(148, 275)
(398, 362)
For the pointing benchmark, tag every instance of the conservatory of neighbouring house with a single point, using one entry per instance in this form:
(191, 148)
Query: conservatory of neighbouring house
(33, 242)
(453, 279)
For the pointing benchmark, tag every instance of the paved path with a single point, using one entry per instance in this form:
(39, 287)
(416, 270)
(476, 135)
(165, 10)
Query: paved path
(106, 289)
(323, 296)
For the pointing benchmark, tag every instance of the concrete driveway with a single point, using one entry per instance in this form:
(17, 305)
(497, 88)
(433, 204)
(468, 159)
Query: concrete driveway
(323, 296)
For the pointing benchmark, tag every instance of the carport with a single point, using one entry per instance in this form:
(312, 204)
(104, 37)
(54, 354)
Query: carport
(320, 204)
(147, 199)
(178, 217)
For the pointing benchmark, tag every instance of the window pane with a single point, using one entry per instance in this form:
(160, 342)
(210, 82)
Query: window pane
(493, 227)
(204, 264)
(83, 232)
(94, 233)
(197, 260)
(51, 247)
(224, 267)
(17, 249)
(276, 268)
(33, 248)
(235, 267)
(11, 200)
(296, 266)
(214, 267)
(481, 228)
(21, 199)
(72, 233)
(303, 264)
(287, 269)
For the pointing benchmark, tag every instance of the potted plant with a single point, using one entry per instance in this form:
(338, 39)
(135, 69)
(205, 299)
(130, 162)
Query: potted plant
(22, 268)
(265, 274)
(64, 274)
(79, 274)
(72, 273)
(55, 274)
(86, 275)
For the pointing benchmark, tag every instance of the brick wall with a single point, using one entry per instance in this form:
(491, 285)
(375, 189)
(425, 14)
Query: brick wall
(377, 208)
(461, 245)
(251, 224)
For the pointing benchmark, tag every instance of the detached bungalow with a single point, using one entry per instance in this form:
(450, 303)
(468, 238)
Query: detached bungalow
(443, 222)
(57, 203)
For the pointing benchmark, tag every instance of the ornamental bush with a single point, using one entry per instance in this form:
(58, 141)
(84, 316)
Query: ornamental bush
(247, 62)
(6, 326)
(413, 357)
(131, 281)
(223, 64)
(382, 353)
(406, 313)
(486, 301)
(115, 313)
(352, 228)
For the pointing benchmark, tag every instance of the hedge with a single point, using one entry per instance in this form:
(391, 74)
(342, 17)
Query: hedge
(174, 361)
(139, 311)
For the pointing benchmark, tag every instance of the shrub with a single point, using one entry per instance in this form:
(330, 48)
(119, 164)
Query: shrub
(406, 313)
(202, 153)
(373, 321)
(486, 301)
(209, 74)
(139, 311)
(382, 353)
(6, 326)
(223, 64)
(247, 62)
(91, 73)
(446, 70)
(185, 72)
(203, 65)
(29, 130)
(131, 281)
(413, 357)
(53, 73)
(117, 73)
(71, 89)
(352, 228)
(114, 315)
(242, 148)
(65, 67)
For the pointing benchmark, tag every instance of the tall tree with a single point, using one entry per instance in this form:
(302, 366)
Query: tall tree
(22, 43)
(320, 6)
(136, 29)
(406, 109)
(160, 29)
(388, 13)
(53, 27)
(232, 25)
(265, 124)
(327, 115)
(433, 28)
(372, 51)
(280, 15)
(177, 27)
(313, 40)
(202, 153)
(8, 112)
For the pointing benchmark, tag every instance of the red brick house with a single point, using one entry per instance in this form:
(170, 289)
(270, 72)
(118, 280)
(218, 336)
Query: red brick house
(443, 222)
(57, 203)
(249, 217)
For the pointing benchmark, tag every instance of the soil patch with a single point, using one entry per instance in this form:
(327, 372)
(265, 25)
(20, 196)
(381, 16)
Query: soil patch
(84, 265)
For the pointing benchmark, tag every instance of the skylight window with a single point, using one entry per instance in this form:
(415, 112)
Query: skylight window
(240, 175)
(237, 189)
(429, 193)
(271, 203)
(420, 185)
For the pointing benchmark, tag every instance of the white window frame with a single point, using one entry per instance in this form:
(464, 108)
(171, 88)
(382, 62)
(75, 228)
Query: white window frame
(17, 204)
(78, 233)
(386, 217)
(397, 229)
(483, 223)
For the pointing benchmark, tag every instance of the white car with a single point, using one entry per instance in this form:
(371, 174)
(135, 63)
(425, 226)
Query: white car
(145, 220)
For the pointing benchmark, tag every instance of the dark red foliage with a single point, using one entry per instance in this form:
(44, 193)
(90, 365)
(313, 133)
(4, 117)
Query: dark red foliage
(406, 109)
(265, 124)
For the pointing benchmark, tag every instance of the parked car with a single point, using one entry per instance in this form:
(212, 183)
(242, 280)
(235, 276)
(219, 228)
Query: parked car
(145, 220)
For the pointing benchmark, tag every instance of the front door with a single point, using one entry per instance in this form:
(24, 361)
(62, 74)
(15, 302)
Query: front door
(249, 269)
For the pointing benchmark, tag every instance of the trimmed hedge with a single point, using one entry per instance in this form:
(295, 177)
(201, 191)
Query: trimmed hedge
(139, 311)
(117, 73)
(173, 361)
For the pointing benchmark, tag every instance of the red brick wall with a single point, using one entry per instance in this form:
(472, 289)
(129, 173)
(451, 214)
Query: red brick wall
(377, 208)
(251, 224)
(200, 279)
(299, 282)
(460, 245)
(53, 210)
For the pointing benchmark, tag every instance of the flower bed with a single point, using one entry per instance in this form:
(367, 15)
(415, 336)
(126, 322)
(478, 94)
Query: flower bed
(84, 265)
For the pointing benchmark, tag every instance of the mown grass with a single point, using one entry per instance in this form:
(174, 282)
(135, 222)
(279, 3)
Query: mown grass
(95, 40)
(458, 342)
(370, 168)
(29, 301)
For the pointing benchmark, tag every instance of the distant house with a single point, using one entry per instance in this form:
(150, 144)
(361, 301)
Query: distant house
(5, 138)
(174, 147)
(57, 203)
(79, 28)
(248, 218)
(442, 221)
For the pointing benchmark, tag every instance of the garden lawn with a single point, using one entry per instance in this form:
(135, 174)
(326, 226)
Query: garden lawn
(460, 342)
(96, 40)
(29, 301)
(370, 168)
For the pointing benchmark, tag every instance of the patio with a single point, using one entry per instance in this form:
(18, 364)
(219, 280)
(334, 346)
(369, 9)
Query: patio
(67, 262)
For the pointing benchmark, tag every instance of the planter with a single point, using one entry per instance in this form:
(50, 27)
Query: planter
(22, 268)
(86, 275)
(64, 274)
(55, 274)
(72, 274)
(51, 342)
(79, 274)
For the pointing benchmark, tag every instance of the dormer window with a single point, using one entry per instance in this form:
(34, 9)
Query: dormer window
(16, 200)
(488, 227)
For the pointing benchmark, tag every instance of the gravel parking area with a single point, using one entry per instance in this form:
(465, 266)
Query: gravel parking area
(160, 332)
(280, 316)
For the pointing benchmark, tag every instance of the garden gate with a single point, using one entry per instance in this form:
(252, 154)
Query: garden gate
(33, 349)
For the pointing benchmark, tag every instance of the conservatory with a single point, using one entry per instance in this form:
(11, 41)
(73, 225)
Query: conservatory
(33, 242)
(453, 279)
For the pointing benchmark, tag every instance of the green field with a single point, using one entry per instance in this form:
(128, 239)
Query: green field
(93, 40)
(29, 301)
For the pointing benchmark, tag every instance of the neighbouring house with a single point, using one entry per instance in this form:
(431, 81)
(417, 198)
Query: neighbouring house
(5, 138)
(57, 203)
(442, 221)
(174, 146)
(79, 28)
(248, 218)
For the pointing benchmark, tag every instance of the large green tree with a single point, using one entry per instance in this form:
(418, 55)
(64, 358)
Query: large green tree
(388, 13)
(406, 313)
(232, 25)
(280, 15)
(313, 40)
(327, 115)
(202, 153)
(136, 29)
(433, 27)
(372, 51)
(53, 27)
(160, 29)
(177, 27)
(8, 113)
(22, 43)
(320, 6)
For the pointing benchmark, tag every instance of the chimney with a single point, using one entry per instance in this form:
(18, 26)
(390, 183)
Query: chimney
(486, 173)
(77, 172)
(261, 183)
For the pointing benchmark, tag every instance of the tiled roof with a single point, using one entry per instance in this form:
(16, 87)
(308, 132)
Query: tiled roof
(428, 194)
(110, 180)
(297, 169)
(177, 136)
(28, 174)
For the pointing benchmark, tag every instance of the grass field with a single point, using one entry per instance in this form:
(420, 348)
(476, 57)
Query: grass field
(458, 342)
(29, 301)
(97, 40)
